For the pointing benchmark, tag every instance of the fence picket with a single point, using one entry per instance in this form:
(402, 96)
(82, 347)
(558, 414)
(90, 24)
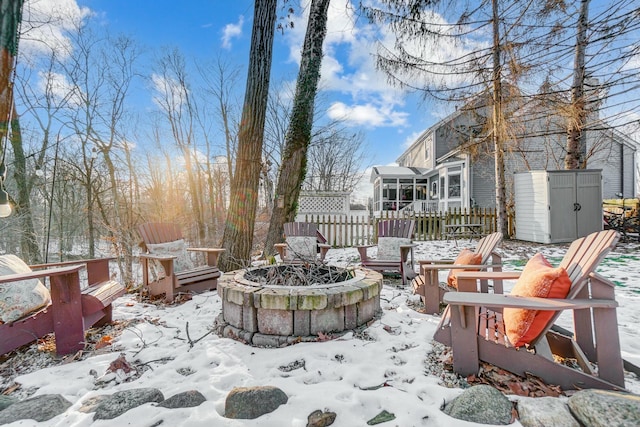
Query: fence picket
(349, 231)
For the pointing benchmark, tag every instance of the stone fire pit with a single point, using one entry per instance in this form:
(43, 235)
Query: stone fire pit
(268, 315)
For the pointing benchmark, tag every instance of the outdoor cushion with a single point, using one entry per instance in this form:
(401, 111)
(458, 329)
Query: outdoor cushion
(178, 249)
(389, 247)
(301, 247)
(538, 279)
(23, 297)
(465, 257)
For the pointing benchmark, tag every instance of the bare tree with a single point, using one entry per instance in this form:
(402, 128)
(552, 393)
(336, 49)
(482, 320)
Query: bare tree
(238, 232)
(334, 160)
(220, 80)
(576, 136)
(10, 18)
(298, 138)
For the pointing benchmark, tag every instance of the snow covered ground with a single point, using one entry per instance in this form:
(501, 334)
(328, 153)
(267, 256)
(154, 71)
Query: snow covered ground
(345, 375)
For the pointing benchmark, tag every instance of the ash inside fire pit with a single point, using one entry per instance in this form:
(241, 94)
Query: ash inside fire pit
(298, 275)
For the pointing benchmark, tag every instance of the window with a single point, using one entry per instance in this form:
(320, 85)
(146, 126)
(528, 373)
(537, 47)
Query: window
(454, 186)
(389, 194)
(421, 189)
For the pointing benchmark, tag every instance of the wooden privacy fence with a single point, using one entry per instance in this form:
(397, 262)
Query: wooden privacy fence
(345, 231)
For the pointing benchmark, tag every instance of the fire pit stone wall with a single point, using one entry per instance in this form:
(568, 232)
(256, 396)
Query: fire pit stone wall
(273, 316)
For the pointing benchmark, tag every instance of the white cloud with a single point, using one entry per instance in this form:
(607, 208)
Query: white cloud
(349, 64)
(367, 115)
(60, 88)
(231, 31)
(169, 94)
(410, 139)
(60, 16)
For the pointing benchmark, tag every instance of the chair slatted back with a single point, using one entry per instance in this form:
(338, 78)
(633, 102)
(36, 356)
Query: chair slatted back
(300, 229)
(584, 255)
(396, 228)
(159, 232)
(582, 258)
(487, 244)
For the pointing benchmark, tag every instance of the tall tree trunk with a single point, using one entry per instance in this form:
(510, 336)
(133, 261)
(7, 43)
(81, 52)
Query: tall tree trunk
(294, 159)
(29, 250)
(239, 227)
(10, 17)
(576, 136)
(498, 128)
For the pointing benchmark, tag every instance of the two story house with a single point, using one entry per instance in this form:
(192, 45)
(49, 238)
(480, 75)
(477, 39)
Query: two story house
(451, 164)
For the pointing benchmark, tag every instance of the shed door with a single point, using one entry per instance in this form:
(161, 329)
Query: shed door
(562, 217)
(589, 198)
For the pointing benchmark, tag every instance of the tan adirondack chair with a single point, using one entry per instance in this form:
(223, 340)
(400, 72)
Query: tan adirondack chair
(473, 325)
(74, 307)
(395, 249)
(431, 290)
(164, 245)
(303, 241)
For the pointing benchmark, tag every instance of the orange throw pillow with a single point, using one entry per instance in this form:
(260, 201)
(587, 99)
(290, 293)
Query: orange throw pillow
(465, 257)
(538, 279)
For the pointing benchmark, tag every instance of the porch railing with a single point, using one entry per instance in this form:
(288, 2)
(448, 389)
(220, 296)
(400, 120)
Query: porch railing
(346, 231)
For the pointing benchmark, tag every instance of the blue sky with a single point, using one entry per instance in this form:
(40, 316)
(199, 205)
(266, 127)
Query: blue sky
(354, 89)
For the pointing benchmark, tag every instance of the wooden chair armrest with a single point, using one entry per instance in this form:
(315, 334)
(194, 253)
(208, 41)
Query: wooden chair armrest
(452, 266)
(97, 268)
(435, 261)
(364, 246)
(212, 254)
(65, 263)
(208, 250)
(324, 245)
(531, 303)
(158, 257)
(488, 275)
(57, 271)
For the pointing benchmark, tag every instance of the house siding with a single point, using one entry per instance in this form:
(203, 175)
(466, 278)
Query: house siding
(539, 143)
(617, 162)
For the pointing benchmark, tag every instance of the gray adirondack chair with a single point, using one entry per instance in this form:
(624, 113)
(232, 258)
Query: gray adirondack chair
(303, 241)
(395, 249)
(472, 324)
(431, 290)
(177, 275)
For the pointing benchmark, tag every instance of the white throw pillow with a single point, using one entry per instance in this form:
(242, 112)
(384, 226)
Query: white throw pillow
(23, 297)
(178, 249)
(389, 247)
(301, 247)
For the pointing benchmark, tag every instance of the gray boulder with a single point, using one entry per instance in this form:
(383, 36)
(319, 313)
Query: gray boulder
(320, 419)
(481, 404)
(186, 399)
(6, 401)
(121, 401)
(39, 408)
(545, 411)
(602, 408)
(252, 402)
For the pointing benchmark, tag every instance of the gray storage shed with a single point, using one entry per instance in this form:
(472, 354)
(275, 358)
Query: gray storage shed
(557, 206)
